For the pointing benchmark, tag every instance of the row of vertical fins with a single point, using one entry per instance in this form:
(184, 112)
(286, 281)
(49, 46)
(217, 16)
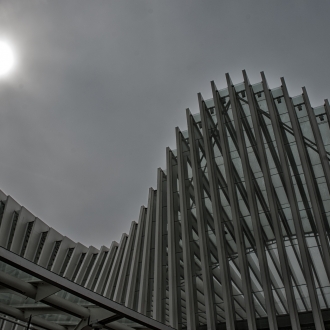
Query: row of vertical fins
(237, 230)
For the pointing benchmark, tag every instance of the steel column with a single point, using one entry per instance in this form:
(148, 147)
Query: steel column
(318, 138)
(188, 254)
(124, 267)
(203, 238)
(111, 281)
(272, 206)
(308, 172)
(220, 235)
(261, 253)
(305, 256)
(145, 288)
(131, 286)
(101, 283)
(247, 289)
(327, 110)
(175, 317)
(159, 274)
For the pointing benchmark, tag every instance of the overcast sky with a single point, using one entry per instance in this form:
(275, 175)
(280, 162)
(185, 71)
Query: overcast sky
(100, 86)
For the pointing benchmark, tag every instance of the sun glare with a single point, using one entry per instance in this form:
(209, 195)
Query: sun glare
(7, 58)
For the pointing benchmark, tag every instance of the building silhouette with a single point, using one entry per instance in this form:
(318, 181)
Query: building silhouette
(236, 235)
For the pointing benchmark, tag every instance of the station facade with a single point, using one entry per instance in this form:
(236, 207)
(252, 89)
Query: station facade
(235, 235)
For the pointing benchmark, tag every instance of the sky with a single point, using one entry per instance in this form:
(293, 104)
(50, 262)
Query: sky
(100, 86)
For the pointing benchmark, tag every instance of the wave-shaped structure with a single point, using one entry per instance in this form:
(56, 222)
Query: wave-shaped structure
(236, 235)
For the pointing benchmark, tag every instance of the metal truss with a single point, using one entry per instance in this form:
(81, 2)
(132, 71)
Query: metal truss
(236, 236)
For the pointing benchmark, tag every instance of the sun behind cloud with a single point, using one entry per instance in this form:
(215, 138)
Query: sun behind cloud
(7, 58)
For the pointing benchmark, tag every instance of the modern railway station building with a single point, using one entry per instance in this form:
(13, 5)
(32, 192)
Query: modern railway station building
(235, 235)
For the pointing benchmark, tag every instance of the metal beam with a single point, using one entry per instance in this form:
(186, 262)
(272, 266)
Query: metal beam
(305, 256)
(111, 281)
(261, 253)
(175, 309)
(56, 280)
(203, 239)
(247, 289)
(145, 287)
(35, 320)
(31, 291)
(124, 267)
(188, 254)
(218, 213)
(327, 110)
(160, 250)
(105, 272)
(131, 286)
(317, 137)
(272, 206)
(310, 182)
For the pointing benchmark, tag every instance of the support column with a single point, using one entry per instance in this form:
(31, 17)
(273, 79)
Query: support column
(293, 312)
(115, 268)
(131, 286)
(259, 240)
(125, 264)
(318, 138)
(203, 239)
(175, 310)
(145, 290)
(305, 256)
(188, 254)
(220, 235)
(310, 183)
(327, 110)
(241, 249)
(160, 253)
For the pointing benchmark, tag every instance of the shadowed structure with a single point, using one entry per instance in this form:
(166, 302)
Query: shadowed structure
(236, 236)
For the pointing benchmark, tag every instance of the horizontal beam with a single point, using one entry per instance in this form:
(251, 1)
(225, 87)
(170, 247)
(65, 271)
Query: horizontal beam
(73, 288)
(19, 315)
